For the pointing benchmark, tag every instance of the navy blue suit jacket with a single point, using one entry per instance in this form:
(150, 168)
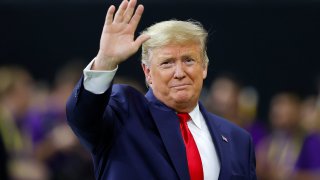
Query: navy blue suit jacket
(132, 136)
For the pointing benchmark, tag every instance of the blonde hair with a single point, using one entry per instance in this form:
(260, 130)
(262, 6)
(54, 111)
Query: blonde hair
(174, 32)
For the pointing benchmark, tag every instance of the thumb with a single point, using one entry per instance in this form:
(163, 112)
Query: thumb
(141, 39)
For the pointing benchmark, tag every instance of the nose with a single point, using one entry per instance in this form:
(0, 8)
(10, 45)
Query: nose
(179, 72)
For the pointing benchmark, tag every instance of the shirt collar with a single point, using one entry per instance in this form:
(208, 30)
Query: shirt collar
(195, 115)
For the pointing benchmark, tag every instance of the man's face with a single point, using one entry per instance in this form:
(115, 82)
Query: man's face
(176, 74)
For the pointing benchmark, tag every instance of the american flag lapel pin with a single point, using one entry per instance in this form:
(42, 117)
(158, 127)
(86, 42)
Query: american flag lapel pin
(224, 138)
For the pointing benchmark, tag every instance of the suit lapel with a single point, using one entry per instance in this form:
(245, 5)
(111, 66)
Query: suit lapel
(167, 123)
(221, 142)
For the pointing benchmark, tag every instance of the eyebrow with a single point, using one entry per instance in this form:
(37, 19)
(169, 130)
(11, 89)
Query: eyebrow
(188, 55)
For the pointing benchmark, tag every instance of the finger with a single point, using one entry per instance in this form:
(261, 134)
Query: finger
(137, 16)
(110, 13)
(129, 11)
(119, 14)
(141, 39)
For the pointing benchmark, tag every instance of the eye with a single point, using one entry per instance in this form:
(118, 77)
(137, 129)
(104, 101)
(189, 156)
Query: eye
(189, 61)
(166, 63)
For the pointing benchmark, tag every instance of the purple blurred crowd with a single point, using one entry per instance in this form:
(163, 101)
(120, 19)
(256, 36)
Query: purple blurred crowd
(287, 142)
(37, 144)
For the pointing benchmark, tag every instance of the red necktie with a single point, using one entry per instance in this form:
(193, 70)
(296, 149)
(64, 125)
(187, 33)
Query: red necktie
(193, 156)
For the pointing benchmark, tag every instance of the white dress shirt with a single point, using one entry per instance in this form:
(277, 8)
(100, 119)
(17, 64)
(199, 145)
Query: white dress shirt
(98, 82)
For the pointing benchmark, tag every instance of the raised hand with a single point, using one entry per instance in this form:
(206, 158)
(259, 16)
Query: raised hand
(117, 41)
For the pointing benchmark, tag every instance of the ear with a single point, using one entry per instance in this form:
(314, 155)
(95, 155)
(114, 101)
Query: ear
(147, 73)
(205, 72)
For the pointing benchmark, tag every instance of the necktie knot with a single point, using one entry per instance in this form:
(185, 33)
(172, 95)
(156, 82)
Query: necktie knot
(184, 117)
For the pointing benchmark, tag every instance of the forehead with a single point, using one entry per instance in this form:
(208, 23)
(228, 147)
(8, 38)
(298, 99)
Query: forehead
(187, 49)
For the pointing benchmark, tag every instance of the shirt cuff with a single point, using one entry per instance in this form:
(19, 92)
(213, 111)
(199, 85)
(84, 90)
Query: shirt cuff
(96, 81)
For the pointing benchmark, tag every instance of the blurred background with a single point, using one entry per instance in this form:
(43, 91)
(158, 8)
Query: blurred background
(263, 75)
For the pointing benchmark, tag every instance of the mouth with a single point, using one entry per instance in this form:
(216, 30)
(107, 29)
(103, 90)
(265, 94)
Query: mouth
(180, 86)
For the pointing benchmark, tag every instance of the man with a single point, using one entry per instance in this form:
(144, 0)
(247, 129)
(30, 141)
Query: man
(166, 134)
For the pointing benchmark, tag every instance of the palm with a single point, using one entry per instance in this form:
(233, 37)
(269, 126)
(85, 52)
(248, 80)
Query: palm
(117, 41)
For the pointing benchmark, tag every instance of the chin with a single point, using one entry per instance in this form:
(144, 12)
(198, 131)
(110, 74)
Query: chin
(183, 98)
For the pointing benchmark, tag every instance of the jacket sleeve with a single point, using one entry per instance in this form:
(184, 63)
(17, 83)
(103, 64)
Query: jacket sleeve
(85, 112)
(252, 162)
